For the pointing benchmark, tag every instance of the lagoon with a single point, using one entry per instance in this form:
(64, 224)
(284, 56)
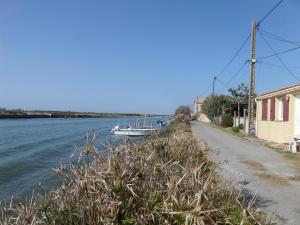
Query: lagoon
(30, 148)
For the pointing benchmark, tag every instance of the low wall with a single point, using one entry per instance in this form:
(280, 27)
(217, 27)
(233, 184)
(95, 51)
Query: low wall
(243, 121)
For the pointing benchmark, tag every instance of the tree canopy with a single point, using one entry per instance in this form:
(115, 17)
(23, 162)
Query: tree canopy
(240, 93)
(212, 105)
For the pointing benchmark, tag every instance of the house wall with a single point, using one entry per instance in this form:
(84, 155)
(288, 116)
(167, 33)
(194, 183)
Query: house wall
(197, 107)
(203, 118)
(276, 131)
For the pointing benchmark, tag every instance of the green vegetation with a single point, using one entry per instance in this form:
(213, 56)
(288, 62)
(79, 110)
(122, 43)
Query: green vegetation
(213, 105)
(291, 155)
(227, 120)
(167, 179)
(240, 94)
(241, 126)
(235, 129)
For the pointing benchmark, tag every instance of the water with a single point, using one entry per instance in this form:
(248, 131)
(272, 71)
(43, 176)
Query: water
(30, 148)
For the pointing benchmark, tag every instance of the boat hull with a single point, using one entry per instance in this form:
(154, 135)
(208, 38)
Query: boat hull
(134, 132)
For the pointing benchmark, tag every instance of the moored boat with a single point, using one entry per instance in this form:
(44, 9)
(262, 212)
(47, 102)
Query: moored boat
(133, 131)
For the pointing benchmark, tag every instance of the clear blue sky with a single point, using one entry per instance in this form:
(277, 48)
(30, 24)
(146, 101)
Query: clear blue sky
(146, 56)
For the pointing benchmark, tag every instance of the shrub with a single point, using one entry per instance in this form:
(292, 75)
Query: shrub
(227, 120)
(241, 126)
(236, 129)
(183, 113)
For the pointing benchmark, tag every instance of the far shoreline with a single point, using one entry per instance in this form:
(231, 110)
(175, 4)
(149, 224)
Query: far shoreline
(37, 114)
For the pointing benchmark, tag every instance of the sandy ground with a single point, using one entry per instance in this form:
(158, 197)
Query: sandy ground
(262, 171)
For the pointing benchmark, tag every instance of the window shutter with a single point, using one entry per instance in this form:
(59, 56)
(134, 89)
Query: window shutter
(264, 115)
(286, 109)
(272, 111)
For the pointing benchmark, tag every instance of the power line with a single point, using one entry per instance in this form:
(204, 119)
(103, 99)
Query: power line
(236, 73)
(275, 66)
(246, 40)
(270, 64)
(269, 13)
(235, 55)
(226, 85)
(278, 38)
(279, 53)
(278, 57)
(242, 46)
(206, 90)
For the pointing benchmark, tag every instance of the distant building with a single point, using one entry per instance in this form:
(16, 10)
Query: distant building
(198, 110)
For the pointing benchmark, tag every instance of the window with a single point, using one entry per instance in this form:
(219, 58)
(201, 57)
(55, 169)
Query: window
(280, 108)
(283, 108)
(264, 114)
(286, 108)
(272, 110)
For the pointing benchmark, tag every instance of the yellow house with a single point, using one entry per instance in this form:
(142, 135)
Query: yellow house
(278, 114)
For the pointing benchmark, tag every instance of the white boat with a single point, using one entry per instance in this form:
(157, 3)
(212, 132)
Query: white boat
(133, 131)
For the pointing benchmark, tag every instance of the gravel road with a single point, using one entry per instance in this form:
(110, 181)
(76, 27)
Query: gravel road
(262, 171)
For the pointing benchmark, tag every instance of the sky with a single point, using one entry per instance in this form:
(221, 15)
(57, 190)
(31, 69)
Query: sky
(136, 56)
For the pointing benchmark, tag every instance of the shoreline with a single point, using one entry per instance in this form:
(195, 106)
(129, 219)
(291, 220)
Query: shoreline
(15, 114)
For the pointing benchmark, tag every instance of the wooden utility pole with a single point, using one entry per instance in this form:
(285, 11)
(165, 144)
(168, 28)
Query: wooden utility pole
(252, 79)
(214, 83)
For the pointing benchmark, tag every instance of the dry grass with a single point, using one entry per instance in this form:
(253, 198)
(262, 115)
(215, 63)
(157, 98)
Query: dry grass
(277, 146)
(272, 178)
(294, 178)
(165, 180)
(254, 165)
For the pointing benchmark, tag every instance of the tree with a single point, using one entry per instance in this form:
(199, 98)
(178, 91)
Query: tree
(183, 113)
(240, 95)
(212, 105)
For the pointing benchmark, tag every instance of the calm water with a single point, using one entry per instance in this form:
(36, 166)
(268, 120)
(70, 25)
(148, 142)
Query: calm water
(30, 148)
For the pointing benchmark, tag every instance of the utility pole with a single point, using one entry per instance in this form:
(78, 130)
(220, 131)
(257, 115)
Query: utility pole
(252, 79)
(214, 83)
(213, 92)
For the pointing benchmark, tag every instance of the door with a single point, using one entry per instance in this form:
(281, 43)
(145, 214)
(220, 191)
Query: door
(297, 115)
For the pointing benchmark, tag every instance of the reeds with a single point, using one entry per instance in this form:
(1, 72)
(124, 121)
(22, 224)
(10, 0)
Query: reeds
(167, 179)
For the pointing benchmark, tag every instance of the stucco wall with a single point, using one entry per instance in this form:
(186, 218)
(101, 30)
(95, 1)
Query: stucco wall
(203, 118)
(276, 131)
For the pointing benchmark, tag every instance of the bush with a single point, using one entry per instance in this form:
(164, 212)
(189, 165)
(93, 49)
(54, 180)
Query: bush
(241, 126)
(236, 129)
(183, 113)
(227, 121)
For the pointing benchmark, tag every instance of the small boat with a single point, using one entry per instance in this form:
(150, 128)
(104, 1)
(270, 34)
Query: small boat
(138, 130)
(133, 131)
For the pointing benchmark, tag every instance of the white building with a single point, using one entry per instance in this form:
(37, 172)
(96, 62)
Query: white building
(198, 110)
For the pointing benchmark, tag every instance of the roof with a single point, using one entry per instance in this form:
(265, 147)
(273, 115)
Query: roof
(199, 100)
(280, 91)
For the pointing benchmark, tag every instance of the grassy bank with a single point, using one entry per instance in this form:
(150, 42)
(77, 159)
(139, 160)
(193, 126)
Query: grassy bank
(167, 179)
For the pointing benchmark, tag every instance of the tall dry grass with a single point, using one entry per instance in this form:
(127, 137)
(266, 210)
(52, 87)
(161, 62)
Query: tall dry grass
(167, 179)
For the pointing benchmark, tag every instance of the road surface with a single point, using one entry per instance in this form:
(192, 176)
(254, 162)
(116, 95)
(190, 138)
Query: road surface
(262, 171)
